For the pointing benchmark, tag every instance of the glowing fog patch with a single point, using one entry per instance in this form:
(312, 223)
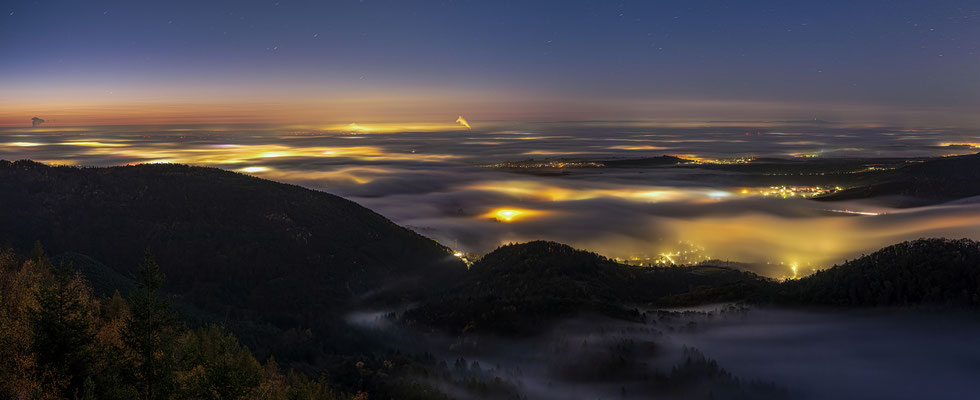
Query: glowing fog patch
(355, 128)
(538, 191)
(718, 194)
(651, 195)
(58, 162)
(972, 145)
(510, 214)
(252, 170)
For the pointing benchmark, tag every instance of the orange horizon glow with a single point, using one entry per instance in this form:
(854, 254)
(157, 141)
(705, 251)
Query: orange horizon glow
(170, 107)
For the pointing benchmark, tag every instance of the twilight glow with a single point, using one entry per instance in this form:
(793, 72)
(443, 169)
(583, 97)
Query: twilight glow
(908, 63)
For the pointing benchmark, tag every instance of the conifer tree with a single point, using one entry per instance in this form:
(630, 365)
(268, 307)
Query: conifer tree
(63, 330)
(151, 332)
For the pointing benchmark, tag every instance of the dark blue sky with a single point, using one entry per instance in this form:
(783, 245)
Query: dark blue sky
(882, 54)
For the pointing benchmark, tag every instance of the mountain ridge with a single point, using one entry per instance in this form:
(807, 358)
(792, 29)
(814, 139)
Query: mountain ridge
(231, 244)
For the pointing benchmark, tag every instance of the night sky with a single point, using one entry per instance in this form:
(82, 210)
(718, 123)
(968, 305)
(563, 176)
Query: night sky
(89, 62)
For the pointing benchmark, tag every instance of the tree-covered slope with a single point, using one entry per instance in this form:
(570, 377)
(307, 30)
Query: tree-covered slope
(921, 272)
(932, 181)
(517, 288)
(236, 245)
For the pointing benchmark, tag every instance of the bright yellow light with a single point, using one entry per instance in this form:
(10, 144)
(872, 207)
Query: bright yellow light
(245, 153)
(252, 170)
(650, 194)
(507, 215)
(356, 128)
(510, 214)
(973, 145)
(529, 189)
(58, 162)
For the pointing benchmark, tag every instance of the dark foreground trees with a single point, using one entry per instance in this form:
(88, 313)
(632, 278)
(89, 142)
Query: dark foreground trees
(58, 341)
(151, 332)
(63, 331)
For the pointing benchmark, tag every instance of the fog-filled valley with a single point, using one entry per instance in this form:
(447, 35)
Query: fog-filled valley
(727, 351)
(582, 270)
(738, 195)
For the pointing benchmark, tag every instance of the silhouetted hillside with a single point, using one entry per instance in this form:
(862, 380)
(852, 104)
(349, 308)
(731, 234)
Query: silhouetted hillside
(234, 245)
(104, 280)
(924, 271)
(930, 272)
(933, 181)
(645, 162)
(516, 288)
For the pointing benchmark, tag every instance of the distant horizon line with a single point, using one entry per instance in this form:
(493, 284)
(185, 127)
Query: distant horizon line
(448, 126)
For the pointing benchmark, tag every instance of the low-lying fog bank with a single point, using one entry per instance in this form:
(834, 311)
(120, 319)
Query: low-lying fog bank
(439, 183)
(710, 352)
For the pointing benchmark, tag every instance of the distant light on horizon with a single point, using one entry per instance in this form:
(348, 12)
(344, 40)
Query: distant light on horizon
(462, 121)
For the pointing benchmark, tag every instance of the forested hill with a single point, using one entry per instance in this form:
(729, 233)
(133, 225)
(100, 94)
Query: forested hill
(922, 272)
(237, 246)
(932, 181)
(518, 288)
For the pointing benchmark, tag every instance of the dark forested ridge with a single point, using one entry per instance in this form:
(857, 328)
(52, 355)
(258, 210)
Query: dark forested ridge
(931, 181)
(940, 272)
(518, 288)
(925, 272)
(236, 246)
(645, 162)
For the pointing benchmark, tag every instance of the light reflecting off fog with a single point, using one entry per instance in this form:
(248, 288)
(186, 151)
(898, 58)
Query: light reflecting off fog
(435, 179)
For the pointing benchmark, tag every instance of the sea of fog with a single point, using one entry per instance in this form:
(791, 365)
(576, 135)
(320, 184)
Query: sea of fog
(436, 180)
(869, 354)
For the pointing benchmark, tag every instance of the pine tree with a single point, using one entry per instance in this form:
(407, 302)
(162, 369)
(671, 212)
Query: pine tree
(151, 332)
(63, 331)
